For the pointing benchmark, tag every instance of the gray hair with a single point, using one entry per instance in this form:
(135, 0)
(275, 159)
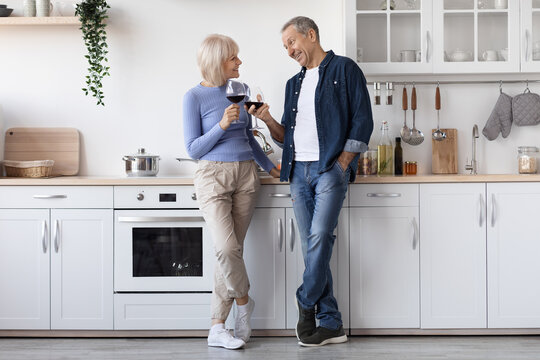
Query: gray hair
(302, 24)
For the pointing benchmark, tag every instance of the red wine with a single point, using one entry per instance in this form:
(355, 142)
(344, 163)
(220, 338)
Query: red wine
(257, 104)
(236, 98)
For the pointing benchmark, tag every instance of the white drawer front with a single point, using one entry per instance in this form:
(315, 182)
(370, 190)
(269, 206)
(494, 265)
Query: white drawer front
(161, 311)
(65, 197)
(384, 195)
(274, 196)
(152, 197)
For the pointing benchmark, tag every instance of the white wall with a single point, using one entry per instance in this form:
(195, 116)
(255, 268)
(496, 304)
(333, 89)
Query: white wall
(153, 63)
(152, 56)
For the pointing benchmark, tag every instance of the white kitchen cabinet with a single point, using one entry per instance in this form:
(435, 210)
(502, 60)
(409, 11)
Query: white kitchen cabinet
(56, 263)
(453, 256)
(451, 36)
(389, 41)
(475, 37)
(24, 269)
(384, 256)
(274, 261)
(530, 35)
(513, 250)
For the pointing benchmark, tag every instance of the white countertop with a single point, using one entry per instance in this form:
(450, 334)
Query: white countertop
(188, 180)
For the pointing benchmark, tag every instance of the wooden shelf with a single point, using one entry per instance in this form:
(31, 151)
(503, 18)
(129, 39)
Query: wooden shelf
(58, 20)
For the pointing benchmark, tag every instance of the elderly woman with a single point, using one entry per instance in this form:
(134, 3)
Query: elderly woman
(217, 133)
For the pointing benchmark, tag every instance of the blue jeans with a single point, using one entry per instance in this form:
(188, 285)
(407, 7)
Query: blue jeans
(317, 200)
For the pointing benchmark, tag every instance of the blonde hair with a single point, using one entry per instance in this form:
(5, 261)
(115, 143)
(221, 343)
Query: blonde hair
(213, 52)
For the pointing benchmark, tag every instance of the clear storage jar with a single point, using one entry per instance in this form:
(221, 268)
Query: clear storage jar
(527, 159)
(367, 163)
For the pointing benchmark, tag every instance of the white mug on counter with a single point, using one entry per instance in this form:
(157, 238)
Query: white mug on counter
(407, 56)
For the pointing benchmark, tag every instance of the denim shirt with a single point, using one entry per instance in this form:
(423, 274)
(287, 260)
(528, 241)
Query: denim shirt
(342, 111)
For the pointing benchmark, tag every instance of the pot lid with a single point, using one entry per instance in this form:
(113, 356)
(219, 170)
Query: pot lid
(141, 153)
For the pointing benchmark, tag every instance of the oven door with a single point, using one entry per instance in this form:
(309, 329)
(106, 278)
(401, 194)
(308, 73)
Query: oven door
(162, 251)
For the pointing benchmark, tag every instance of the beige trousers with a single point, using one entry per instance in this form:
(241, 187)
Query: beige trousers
(227, 192)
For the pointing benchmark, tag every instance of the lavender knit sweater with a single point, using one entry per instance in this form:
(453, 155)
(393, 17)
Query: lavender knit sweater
(206, 140)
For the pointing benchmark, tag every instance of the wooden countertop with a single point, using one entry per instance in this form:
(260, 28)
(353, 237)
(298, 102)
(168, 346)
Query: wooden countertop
(265, 180)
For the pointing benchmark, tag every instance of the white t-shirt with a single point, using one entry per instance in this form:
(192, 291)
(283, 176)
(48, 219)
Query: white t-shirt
(306, 140)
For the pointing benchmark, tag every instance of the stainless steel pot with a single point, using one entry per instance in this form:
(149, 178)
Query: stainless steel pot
(141, 164)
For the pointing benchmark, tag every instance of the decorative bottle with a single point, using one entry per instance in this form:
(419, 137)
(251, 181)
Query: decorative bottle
(385, 152)
(398, 158)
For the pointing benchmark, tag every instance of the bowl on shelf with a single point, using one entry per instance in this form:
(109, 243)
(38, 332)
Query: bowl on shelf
(4, 12)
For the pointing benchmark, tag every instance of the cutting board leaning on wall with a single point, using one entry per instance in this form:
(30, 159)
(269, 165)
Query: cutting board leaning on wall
(59, 144)
(444, 153)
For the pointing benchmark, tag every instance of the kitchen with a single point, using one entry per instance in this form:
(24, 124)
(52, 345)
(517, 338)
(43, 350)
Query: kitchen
(150, 73)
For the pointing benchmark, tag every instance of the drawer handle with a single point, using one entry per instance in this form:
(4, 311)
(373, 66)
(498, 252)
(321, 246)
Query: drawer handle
(139, 219)
(383, 195)
(279, 195)
(50, 196)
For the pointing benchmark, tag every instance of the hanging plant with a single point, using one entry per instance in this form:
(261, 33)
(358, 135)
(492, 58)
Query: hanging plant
(92, 14)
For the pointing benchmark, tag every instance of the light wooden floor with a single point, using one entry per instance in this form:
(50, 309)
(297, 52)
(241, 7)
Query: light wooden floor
(281, 348)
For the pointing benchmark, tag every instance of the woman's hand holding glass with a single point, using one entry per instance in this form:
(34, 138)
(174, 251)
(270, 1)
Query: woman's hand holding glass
(230, 116)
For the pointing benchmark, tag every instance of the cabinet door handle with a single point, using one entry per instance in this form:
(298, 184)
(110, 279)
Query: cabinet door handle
(415, 233)
(279, 195)
(291, 233)
(493, 210)
(280, 235)
(56, 235)
(59, 196)
(383, 195)
(527, 45)
(44, 241)
(482, 209)
(428, 45)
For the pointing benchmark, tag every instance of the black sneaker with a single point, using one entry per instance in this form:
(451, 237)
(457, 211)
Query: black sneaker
(306, 322)
(323, 336)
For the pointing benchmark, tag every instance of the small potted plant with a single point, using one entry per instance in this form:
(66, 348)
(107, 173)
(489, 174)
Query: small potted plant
(92, 14)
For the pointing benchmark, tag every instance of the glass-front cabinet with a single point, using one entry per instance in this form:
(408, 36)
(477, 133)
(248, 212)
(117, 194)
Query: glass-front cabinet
(530, 33)
(476, 36)
(443, 36)
(390, 36)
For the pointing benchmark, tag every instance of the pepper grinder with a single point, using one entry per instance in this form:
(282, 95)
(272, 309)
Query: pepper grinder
(377, 92)
(389, 93)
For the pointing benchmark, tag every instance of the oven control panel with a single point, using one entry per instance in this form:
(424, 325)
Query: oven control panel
(155, 197)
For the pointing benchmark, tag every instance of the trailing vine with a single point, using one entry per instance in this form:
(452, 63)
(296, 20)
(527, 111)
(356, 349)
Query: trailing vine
(92, 14)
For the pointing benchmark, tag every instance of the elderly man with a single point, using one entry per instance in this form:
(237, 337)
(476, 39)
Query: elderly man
(326, 123)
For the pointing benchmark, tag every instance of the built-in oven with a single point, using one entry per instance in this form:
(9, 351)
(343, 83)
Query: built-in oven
(161, 242)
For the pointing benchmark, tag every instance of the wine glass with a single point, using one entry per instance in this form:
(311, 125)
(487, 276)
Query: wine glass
(255, 97)
(235, 92)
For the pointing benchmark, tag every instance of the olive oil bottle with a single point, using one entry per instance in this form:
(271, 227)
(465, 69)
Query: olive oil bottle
(385, 152)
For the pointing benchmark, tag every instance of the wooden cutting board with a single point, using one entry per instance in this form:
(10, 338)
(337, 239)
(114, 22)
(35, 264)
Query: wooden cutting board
(59, 144)
(444, 153)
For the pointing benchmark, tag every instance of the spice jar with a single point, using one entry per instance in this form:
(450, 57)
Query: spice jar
(367, 164)
(527, 159)
(410, 167)
(377, 93)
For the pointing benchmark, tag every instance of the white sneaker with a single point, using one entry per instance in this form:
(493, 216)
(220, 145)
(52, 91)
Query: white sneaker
(222, 338)
(242, 324)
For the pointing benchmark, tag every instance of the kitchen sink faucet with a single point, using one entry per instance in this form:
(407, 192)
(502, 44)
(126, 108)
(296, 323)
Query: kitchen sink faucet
(473, 166)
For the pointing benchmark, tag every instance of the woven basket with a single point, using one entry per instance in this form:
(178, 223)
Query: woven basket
(30, 169)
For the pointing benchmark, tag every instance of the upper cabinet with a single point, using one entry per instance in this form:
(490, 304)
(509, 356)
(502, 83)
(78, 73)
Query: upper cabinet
(444, 36)
(390, 36)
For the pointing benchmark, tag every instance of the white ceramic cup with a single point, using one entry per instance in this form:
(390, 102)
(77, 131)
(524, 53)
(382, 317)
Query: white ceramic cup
(418, 55)
(407, 56)
(490, 55)
(501, 4)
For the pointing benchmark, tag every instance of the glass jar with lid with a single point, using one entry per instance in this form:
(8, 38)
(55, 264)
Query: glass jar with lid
(527, 159)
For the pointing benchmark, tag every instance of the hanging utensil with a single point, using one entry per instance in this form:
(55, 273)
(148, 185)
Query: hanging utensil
(438, 135)
(405, 131)
(417, 137)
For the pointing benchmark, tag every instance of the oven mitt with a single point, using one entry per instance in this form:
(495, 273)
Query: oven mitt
(526, 109)
(500, 120)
